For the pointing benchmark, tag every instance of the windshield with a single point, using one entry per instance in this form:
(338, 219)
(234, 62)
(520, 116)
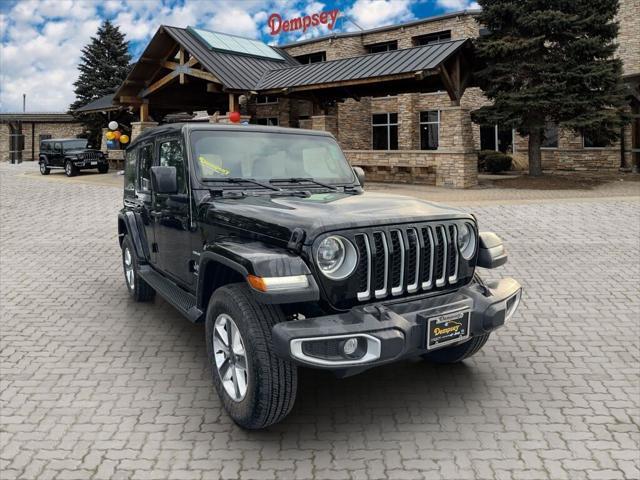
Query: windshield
(79, 144)
(265, 156)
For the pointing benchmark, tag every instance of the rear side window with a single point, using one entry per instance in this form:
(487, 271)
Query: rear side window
(171, 155)
(145, 161)
(130, 170)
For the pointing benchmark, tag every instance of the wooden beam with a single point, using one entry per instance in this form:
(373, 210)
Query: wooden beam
(181, 59)
(144, 112)
(130, 100)
(214, 88)
(233, 102)
(449, 85)
(159, 84)
(194, 72)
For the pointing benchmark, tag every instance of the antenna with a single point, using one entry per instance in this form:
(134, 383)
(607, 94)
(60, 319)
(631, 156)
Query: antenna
(24, 102)
(346, 17)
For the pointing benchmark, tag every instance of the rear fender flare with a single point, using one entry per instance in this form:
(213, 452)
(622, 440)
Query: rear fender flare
(131, 226)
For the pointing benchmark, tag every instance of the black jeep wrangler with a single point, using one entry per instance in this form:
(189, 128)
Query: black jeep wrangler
(72, 154)
(267, 235)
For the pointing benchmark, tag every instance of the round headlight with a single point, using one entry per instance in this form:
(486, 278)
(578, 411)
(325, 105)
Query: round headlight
(336, 257)
(466, 241)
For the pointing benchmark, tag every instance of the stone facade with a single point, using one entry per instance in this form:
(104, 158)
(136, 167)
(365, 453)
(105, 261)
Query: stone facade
(33, 130)
(629, 36)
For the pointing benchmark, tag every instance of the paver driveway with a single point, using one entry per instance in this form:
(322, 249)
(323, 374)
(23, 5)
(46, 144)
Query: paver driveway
(96, 386)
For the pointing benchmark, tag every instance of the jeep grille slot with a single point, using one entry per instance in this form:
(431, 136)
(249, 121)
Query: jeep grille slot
(408, 260)
(91, 156)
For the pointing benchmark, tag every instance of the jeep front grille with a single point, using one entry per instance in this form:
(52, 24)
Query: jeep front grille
(403, 260)
(91, 156)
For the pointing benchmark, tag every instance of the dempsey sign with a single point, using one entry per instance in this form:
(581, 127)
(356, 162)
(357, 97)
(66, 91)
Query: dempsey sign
(277, 24)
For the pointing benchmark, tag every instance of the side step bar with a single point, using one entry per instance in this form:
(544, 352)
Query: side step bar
(182, 300)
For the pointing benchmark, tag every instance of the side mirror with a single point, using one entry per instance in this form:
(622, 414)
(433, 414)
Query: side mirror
(164, 180)
(359, 174)
(492, 253)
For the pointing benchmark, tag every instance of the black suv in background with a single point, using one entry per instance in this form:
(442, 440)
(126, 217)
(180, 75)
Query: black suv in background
(267, 236)
(72, 154)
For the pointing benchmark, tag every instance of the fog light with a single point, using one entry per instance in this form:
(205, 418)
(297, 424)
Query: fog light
(350, 346)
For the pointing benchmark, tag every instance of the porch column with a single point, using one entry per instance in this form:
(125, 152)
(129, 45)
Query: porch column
(328, 123)
(138, 127)
(408, 135)
(457, 164)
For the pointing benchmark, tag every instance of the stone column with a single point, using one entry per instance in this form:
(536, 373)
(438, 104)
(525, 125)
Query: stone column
(328, 123)
(103, 142)
(457, 165)
(138, 127)
(408, 134)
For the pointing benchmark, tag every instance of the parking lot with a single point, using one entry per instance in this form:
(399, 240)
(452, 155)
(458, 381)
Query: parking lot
(95, 386)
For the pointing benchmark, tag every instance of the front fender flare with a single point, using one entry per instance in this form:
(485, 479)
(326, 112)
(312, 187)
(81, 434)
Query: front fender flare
(133, 231)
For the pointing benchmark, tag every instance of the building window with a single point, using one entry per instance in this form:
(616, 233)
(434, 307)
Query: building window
(268, 121)
(429, 129)
(383, 47)
(263, 99)
(593, 139)
(385, 131)
(312, 57)
(550, 139)
(496, 137)
(436, 37)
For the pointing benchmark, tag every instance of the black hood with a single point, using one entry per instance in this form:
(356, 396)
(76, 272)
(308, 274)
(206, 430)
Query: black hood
(277, 216)
(78, 151)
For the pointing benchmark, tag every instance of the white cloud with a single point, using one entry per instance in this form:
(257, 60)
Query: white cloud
(375, 13)
(457, 5)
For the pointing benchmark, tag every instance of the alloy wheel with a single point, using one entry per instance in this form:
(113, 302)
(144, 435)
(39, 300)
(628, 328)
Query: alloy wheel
(129, 273)
(230, 357)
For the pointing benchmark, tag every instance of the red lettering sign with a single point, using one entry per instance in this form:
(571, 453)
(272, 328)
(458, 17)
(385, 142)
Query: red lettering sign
(277, 24)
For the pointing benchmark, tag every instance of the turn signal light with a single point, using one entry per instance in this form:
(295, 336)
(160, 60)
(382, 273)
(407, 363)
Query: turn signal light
(274, 284)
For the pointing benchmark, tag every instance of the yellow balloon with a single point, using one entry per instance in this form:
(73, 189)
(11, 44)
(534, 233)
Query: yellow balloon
(124, 139)
(110, 135)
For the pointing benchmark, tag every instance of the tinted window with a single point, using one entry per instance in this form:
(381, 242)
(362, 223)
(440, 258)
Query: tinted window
(79, 144)
(171, 155)
(130, 170)
(385, 131)
(145, 162)
(429, 129)
(593, 139)
(383, 47)
(550, 136)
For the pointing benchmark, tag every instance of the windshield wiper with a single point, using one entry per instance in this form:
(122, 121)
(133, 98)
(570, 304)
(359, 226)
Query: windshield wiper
(302, 179)
(238, 180)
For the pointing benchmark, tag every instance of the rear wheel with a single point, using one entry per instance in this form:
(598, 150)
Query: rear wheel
(457, 353)
(138, 288)
(44, 169)
(70, 170)
(104, 168)
(256, 387)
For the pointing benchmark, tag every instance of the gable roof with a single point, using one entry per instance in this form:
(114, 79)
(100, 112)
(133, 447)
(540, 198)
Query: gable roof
(101, 104)
(394, 62)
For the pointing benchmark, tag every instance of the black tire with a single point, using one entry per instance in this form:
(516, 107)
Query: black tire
(457, 353)
(44, 170)
(103, 168)
(70, 170)
(138, 288)
(272, 382)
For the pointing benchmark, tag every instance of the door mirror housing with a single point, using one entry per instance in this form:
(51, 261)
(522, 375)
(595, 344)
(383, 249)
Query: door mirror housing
(164, 180)
(359, 175)
(492, 253)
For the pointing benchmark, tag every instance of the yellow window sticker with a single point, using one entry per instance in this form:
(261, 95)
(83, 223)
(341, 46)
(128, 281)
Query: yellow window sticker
(216, 168)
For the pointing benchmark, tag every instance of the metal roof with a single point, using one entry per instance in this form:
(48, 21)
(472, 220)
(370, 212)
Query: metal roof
(386, 28)
(38, 117)
(235, 71)
(383, 64)
(101, 104)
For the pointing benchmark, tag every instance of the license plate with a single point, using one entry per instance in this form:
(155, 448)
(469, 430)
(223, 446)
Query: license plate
(447, 328)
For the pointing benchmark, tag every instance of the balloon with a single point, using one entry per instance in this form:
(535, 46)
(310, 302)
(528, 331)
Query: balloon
(111, 144)
(113, 125)
(110, 135)
(124, 139)
(234, 117)
(117, 135)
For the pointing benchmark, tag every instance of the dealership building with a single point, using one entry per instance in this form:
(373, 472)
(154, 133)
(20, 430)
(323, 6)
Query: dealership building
(397, 98)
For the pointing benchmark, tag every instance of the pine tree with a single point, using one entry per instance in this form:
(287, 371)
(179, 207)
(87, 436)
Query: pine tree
(551, 61)
(103, 67)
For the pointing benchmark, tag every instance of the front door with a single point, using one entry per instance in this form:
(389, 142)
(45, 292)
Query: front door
(144, 198)
(56, 155)
(172, 215)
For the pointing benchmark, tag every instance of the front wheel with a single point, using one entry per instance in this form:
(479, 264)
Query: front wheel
(70, 170)
(256, 387)
(44, 170)
(457, 353)
(103, 168)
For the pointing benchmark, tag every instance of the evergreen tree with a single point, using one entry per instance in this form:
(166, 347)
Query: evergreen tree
(103, 67)
(551, 61)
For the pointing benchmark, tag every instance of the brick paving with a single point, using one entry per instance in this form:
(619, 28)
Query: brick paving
(95, 386)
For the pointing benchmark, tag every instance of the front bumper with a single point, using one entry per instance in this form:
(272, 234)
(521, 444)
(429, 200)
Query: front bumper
(396, 330)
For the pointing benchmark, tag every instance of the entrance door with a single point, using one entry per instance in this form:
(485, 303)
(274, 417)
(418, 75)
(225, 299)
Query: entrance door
(172, 215)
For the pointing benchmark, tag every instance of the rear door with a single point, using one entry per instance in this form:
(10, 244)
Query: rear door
(57, 155)
(171, 213)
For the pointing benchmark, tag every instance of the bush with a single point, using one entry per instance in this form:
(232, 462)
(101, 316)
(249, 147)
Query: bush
(493, 162)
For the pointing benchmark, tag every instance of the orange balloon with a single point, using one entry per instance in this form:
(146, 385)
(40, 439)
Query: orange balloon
(116, 135)
(234, 117)
(110, 136)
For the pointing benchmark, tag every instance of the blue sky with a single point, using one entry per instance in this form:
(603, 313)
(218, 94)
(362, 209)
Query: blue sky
(42, 39)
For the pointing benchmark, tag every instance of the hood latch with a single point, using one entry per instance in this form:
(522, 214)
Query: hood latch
(297, 240)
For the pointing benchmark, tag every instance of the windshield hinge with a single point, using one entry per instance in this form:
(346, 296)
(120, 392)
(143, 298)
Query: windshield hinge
(297, 240)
